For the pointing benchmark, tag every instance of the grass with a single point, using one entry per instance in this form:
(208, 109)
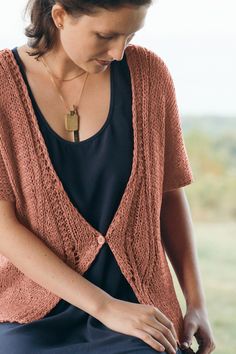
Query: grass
(216, 245)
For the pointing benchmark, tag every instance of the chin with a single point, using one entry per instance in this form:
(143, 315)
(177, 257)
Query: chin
(98, 69)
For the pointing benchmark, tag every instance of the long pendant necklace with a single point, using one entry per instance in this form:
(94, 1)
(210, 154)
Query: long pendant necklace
(72, 118)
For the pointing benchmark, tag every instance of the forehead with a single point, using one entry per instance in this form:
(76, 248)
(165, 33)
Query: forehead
(119, 21)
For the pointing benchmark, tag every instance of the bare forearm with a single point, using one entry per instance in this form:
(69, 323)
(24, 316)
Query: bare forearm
(32, 257)
(178, 239)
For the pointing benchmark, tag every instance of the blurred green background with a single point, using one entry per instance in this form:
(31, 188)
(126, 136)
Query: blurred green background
(211, 146)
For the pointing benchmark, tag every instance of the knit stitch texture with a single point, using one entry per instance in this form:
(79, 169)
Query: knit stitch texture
(27, 177)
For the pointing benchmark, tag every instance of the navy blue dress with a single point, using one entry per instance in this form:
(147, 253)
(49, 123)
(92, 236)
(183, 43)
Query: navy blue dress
(94, 173)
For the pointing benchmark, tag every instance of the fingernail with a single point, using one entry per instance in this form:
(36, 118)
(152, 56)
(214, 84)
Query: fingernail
(184, 345)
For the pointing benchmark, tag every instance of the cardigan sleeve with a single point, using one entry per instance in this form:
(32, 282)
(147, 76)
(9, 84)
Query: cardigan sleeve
(6, 191)
(177, 169)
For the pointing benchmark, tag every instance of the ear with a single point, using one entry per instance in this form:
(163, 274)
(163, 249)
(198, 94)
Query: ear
(58, 14)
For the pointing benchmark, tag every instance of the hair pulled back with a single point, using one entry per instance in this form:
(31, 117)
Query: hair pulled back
(42, 32)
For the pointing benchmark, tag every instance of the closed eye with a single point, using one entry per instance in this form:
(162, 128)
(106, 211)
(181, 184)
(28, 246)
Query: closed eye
(111, 37)
(102, 37)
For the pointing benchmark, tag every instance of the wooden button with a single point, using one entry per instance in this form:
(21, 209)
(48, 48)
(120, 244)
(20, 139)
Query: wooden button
(101, 239)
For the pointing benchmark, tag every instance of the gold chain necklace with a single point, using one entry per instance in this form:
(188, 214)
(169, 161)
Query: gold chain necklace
(72, 117)
(70, 78)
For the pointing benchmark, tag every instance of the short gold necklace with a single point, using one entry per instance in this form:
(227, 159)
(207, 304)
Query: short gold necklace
(72, 117)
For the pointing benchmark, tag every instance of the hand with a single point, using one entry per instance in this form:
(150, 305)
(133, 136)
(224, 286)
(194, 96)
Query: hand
(143, 321)
(196, 324)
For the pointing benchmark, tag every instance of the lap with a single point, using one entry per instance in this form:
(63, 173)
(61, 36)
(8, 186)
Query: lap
(66, 332)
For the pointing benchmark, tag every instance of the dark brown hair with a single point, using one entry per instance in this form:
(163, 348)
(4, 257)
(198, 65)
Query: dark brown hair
(42, 32)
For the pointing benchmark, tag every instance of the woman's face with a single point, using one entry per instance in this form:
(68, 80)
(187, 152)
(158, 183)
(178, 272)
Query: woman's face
(102, 36)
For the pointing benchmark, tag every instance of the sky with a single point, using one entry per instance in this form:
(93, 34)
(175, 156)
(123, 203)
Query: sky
(196, 39)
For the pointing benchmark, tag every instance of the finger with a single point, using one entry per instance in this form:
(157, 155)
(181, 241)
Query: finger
(189, 331)
(159, 336)
(206, 346)
(165, 331)
(200, 348)
(166, 322)
(147, 338)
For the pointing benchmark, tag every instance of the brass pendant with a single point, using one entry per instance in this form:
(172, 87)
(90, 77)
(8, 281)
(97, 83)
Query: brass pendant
(72, 120)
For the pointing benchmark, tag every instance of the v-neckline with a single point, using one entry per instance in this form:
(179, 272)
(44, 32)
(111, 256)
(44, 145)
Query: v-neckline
(76, 215)
(46, 123)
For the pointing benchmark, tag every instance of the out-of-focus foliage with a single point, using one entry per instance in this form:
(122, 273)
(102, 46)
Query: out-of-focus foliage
(211, 147)
(216, 244)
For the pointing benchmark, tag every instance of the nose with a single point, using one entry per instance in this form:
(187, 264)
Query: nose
(117, 51)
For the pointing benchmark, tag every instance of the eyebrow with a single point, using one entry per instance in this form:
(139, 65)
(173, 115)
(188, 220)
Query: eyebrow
(115, 33)
(119, 33)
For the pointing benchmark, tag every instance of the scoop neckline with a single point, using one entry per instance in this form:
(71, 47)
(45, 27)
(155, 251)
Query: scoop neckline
(49, 128)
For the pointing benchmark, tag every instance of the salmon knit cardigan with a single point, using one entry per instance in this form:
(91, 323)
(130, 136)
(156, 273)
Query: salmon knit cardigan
(160, 163)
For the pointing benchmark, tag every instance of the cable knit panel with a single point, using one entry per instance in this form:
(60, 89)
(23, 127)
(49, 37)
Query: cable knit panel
(27, 177)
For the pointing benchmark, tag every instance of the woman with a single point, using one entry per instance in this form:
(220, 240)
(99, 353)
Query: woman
(67, 174)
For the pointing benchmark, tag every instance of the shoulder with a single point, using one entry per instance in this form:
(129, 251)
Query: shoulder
(4, 56)
(5, 66)
(8, 89)
(146, 55)
(154, 63)
(3, 53)
(3, 75)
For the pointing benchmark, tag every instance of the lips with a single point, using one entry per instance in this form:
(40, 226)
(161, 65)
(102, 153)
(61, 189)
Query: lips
(103, 62)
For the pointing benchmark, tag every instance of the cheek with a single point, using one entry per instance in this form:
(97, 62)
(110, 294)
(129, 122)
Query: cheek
(71, 47)
(82, 49)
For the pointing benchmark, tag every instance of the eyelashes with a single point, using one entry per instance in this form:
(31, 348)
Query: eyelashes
(109, 38)
(101, 37)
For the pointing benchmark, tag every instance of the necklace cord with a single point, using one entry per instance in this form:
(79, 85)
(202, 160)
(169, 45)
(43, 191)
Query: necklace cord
(59, 92)
(72, 118)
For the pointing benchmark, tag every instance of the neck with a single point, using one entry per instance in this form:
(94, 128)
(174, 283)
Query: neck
(60, 65)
